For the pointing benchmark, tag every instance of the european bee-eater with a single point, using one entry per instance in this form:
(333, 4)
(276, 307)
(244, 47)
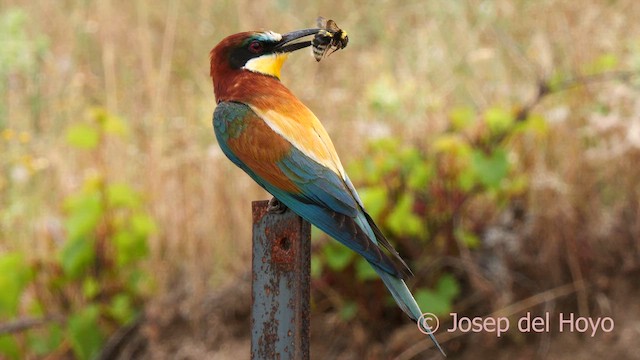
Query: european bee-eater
(266, 131)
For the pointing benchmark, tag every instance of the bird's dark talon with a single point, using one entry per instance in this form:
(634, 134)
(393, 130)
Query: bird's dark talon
(276, 207)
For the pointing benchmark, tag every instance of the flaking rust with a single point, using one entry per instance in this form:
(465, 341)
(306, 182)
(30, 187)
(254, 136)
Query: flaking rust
(280, 289)
(283, 253)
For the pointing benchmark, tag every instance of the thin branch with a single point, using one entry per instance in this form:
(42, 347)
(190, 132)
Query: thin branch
(27, 323)
(119, 340)
(545, 87)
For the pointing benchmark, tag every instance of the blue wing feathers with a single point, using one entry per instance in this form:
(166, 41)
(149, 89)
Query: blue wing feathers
(328, 202)
(318, 183)
(325, 199)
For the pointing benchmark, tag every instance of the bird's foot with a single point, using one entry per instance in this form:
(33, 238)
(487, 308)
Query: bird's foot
(276, 207)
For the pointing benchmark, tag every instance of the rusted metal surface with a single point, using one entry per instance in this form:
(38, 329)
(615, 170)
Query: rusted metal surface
(280, 285)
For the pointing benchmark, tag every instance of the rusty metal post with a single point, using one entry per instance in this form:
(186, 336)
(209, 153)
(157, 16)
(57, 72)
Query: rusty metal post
(280, 285)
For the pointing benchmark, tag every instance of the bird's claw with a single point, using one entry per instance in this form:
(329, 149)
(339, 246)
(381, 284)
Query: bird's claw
(276, 207)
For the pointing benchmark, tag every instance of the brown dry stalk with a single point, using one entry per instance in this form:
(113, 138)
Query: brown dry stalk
(27, 323)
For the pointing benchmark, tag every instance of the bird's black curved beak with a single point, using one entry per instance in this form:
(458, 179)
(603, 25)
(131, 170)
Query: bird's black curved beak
(287, 45)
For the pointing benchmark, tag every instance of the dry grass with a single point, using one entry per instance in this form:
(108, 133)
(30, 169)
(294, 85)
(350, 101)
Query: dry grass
(407, 66)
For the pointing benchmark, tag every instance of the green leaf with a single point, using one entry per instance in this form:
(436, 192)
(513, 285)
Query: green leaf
(558, 80)
(452, 144)
(518, 185)
(604, 63)
(467, 178)
(122, 195)
(114, 125)
(386, 145)
(410, 157)
(337, 256)
(348, 311)
(402, 221)
(420, 175)
(448, 286)
(316, 267)
(76, 256)
(535, 124)
(462, 117)
(35, 308)
(316, 233)
(83, 136)
(130, 247)
(498, 119)
(90, 288)
(468, 238)
(439, 300)
(374, 199)
(44, 341)
(131, 244)
(80, 224)
(490, 169)
(15, 275)
(143, 225)
(139, 281)
(364, 271)
(433, 302)
(98, 114)
(84, 333)
(9, 347)
(121, 309)
(356, 171)
(84, 212)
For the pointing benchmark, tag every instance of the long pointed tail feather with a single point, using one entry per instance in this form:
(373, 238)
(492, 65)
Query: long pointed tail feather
(401, 294)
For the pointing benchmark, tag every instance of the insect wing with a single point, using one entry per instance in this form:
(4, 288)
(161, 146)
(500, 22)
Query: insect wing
(321, 22)
(331, 26)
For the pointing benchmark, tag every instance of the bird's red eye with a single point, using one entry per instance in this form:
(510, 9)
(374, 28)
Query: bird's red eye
(255, 47)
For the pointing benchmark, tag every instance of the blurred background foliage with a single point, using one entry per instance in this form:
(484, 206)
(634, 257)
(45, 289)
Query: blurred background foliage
(497, 144)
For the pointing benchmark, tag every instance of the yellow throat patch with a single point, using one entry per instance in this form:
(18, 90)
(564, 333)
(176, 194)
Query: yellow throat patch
(269, 64)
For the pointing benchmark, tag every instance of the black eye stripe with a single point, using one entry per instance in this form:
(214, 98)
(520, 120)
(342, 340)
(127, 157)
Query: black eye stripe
(256, 47)
(249, 50)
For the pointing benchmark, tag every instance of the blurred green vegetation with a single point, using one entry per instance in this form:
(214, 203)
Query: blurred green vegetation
(418, 195)
(91, 282)
(495, 142)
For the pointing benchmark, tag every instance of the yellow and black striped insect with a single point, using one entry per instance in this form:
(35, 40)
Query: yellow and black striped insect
(330, 37)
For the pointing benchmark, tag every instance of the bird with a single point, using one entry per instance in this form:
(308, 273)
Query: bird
(271, 135)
